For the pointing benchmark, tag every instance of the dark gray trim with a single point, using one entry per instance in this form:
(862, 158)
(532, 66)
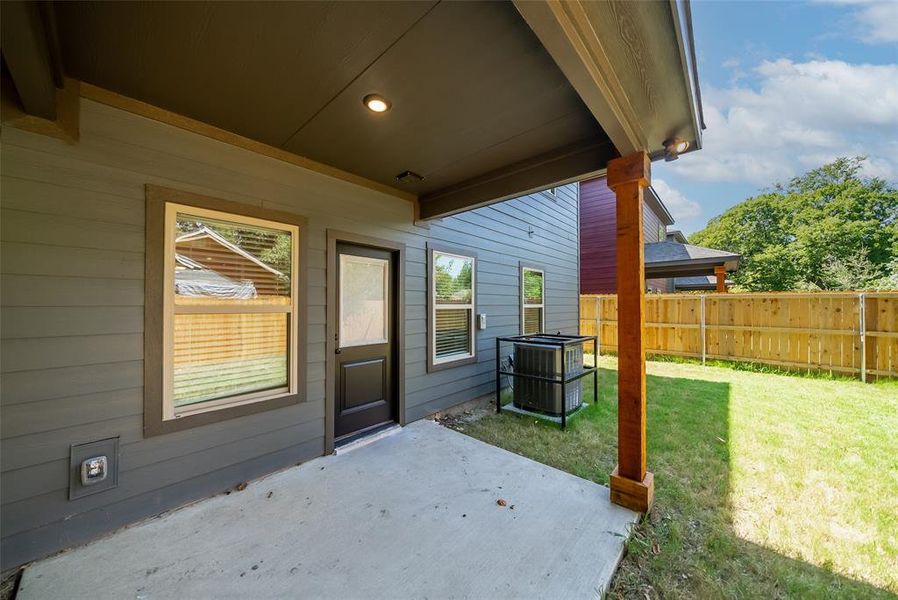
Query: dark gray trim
(560, 166)
(431, 248)
(398, 249)
(527, 265)
(154, 295)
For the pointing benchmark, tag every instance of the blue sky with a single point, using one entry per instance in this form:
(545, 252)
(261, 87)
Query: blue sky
(786, 86)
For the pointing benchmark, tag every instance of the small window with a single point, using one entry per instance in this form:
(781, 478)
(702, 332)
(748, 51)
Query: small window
(533, 300)
(452, 280)
(230, 304)
(552, 192)
(662, 234)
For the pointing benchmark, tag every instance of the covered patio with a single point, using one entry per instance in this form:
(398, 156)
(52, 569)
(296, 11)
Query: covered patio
(413, 514)
(344, 130)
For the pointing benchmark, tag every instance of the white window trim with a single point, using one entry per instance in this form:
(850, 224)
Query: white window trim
(552, 192)
(434, 306)
(169, 412)
(525, 305)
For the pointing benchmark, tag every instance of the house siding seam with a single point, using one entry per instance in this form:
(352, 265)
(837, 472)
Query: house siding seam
(598, 241)
(71, 290)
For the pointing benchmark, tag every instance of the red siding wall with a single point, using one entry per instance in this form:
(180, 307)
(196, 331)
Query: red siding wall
(598, 252)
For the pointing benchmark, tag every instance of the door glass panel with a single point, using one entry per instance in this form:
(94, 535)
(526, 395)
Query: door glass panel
(364, 300)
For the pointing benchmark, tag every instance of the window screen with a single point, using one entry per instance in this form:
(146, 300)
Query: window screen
(452, 290)
(532, 300)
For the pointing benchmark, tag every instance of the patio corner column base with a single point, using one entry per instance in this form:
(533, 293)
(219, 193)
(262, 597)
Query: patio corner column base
(629, 493)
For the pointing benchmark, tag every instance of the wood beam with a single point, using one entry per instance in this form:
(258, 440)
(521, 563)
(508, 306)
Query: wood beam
(560, 166)
(28, 56)
(66, 125)
(720, 272)
(632, 485)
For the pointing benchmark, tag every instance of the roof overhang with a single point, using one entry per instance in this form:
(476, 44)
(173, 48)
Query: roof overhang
(672, 259)
(633, 64)
(489, 100)
(698, 283)
(687, 268)
(660, 209)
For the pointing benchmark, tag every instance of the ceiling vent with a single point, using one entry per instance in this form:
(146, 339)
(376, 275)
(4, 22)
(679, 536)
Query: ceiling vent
(409, 177)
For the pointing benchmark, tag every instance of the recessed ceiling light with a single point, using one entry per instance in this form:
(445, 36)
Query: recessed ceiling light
(376, 103)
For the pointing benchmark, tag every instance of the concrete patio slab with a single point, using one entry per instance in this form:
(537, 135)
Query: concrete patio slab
(411, 515)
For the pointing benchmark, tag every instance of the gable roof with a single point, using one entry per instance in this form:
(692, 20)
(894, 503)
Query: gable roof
(205, 232)
(675, 235)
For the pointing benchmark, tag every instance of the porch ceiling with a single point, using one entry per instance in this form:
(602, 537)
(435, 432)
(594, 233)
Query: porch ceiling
(473, 91)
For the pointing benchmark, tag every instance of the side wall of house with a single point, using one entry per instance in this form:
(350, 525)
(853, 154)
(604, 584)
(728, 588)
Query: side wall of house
(72, 315)
(598, 230)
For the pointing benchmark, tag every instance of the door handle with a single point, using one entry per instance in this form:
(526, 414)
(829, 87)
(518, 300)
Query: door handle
(337, 349)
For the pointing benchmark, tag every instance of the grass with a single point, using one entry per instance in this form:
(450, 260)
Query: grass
(766, 486)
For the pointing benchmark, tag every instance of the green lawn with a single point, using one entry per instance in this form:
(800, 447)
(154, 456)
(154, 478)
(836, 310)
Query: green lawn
(766, 486)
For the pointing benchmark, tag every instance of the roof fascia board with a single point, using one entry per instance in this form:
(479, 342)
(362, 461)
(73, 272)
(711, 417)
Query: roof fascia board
(682, 17)
(658, 203)
(565, 31)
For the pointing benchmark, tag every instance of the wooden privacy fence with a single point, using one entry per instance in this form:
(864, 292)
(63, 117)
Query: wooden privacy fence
(851, 333)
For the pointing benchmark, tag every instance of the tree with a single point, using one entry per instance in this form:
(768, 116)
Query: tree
(809, 232)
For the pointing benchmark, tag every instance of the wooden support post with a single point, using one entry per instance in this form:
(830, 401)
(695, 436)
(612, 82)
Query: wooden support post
(631, 485)
(862, 331)
(720, 272)
(704, 330)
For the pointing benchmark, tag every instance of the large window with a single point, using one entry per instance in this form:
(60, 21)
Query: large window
(452, 282)
(229, 313)
(533, 300)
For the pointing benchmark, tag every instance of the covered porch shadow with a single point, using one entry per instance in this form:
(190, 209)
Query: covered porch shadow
(414, 514)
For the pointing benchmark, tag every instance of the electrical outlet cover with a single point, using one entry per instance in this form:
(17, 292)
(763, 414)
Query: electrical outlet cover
(81, 452)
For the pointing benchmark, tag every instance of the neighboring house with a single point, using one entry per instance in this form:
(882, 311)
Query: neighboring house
(212, 252)
(671, 263)
(380, 166)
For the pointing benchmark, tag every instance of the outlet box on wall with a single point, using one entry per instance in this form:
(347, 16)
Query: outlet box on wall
(93, 467)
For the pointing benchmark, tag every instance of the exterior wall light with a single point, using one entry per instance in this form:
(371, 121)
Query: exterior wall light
(673, 148)
(376, 103)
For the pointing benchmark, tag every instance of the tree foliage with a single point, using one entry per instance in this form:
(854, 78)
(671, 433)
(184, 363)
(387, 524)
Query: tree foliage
(831, 228)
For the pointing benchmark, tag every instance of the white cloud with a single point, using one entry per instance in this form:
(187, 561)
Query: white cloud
(798, 116)
(680, 206)
(877, 19)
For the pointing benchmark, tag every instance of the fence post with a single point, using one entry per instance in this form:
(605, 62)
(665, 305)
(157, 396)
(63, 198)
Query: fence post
(862, 317)
(703, 328)
(598, 328)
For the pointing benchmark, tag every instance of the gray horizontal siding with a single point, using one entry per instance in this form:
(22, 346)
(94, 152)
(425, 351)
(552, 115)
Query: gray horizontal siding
(71, 308)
